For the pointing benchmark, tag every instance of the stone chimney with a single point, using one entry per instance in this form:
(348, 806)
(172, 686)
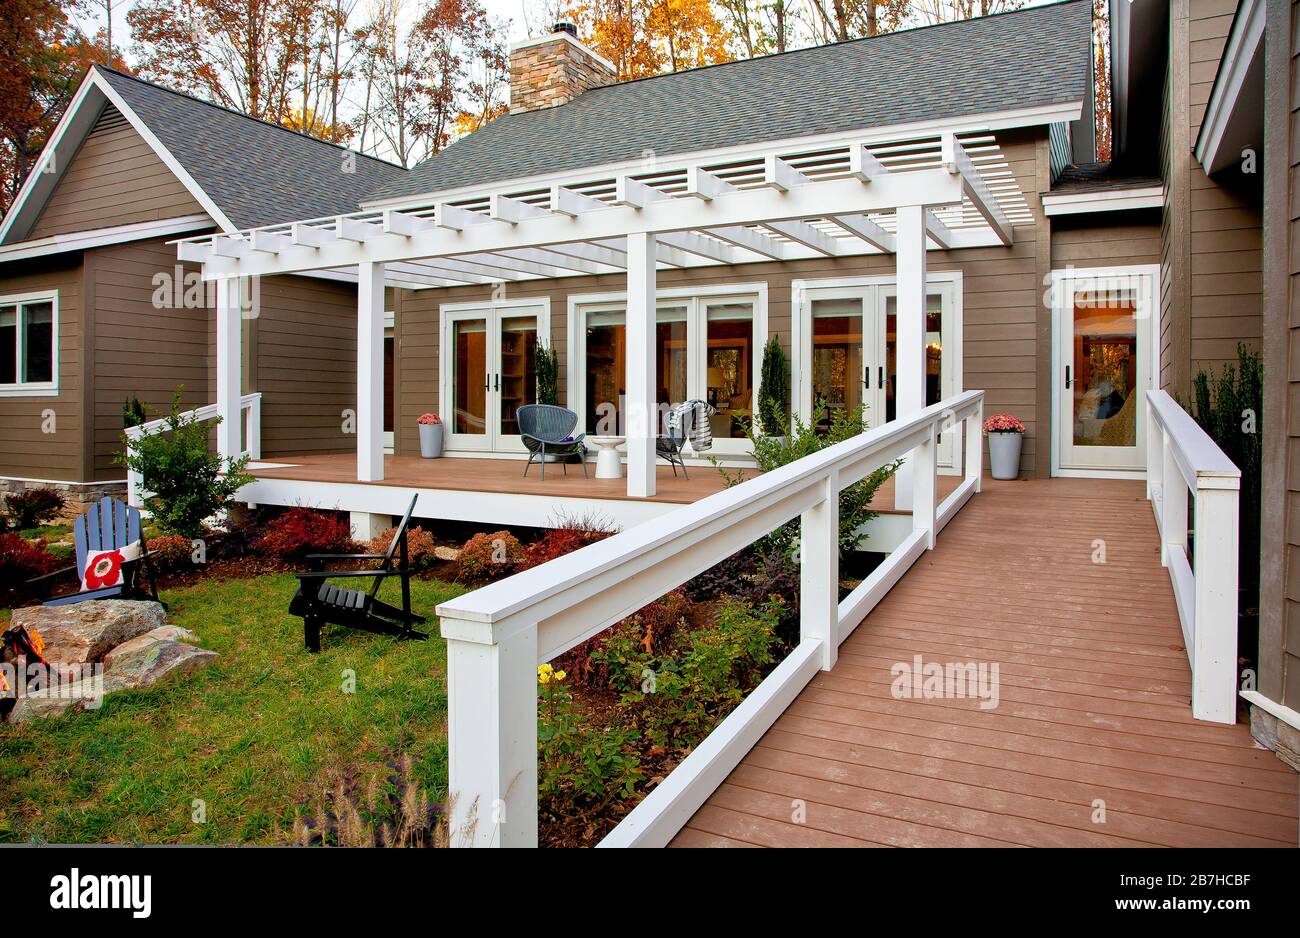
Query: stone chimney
(554, 69)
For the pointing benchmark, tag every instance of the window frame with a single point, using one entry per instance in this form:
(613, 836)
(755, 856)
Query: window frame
(33, 388)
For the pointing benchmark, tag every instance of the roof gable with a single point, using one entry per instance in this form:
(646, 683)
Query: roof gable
(241, 171)
(991, 64)
(115, 178)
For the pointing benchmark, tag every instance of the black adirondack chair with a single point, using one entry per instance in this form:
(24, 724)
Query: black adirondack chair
(320, 602)
(107, 525)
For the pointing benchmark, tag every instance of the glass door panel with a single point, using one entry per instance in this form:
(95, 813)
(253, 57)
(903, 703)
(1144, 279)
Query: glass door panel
(939, 380)
(729, 368)
(470, 383)
(518, 371)
(671, 356)
(836, 367)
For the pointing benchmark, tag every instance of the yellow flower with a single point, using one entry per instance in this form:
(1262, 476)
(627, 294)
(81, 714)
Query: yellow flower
(559, 675)
(543, 679)
(544, 669)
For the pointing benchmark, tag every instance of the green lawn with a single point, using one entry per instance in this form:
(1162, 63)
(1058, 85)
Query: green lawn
(255, 736)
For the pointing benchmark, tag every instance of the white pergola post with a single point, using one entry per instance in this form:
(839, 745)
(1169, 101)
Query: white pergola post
(910, 351)
(642, 412)
(229, 370)
(370, 372)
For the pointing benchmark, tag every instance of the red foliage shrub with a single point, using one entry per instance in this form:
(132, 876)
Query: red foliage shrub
(170, 550)
(33, 507)
(420, 547)
(306, 531)
(557, 542)
(488, 556)
(21, 560)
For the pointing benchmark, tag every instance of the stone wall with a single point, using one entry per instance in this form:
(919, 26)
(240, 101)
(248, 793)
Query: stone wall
(79, 497)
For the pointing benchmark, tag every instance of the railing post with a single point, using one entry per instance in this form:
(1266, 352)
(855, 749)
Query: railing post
(819, 572)
(132, 480)
(975, 446)
(1173, 503)
(1155, 453)
(491, 735)
(1214, 662)
(923, 488)
(254, 426)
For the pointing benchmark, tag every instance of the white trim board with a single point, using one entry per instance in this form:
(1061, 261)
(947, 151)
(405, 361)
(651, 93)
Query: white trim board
(1240, 68)
(1110, 200)
(100, 237)
(1280, 711)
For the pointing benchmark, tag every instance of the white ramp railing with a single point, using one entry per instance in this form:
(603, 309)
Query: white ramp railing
(250, 408)
(1181, 458)
(498, 635)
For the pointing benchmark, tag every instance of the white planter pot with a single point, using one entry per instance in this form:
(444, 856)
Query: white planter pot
(1004, 455)
(430, 440)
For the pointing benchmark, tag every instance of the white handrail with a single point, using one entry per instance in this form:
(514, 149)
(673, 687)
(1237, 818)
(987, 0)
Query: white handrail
(1181, 458)
(250, 406)
(496, 636)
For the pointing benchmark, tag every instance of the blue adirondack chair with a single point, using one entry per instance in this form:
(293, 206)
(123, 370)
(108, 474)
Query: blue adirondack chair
(108, 524)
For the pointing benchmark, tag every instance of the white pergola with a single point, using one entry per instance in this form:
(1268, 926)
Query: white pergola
(837, 199)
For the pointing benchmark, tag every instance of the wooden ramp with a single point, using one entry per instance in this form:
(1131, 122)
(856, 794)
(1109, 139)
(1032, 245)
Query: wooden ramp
(1091, 743)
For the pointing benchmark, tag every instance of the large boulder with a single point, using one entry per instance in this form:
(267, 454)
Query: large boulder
(74, 697)
(148, 660)
(168, 633)
(86, 631)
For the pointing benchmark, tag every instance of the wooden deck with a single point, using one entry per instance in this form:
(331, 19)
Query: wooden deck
(506, 476)
(1094, 712)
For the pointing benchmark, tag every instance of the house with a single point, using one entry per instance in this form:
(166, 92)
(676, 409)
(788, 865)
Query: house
(95, 308)
(921, 221)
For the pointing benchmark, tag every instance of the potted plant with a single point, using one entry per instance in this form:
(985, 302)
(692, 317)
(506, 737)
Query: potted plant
(430, 435)
(548, 374)
(774, 391)
(1005, 433)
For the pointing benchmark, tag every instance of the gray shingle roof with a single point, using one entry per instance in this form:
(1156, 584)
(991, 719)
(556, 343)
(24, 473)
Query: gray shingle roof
(256, 172)
(1038, 56)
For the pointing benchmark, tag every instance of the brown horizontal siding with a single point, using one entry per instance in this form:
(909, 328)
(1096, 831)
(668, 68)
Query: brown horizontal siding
(1106, 239)
(25, 450)
(141, 349)
(305, 341)
(114, 178)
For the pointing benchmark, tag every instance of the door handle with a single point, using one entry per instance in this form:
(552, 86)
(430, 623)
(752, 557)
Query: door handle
(880, 377)
(496, 380)
(866, 377)
(1067, 376)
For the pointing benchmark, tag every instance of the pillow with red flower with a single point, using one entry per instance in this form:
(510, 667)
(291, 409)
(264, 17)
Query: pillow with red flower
(104, 567)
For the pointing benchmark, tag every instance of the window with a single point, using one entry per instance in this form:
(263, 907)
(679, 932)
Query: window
(28, 344)
(706, 346)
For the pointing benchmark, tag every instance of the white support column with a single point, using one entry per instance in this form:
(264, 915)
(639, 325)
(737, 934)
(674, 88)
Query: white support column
(367, 525)
(491, 737)
(229, 368)
(819, 573)
(370, 372)
(1214, 661)
(642, 408)
(910, 394)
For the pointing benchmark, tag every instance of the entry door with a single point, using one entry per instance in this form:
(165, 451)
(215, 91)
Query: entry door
(489, 371)
(852, 353)
(1104, 365)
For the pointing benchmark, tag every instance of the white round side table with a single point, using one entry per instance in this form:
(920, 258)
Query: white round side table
(608, 464)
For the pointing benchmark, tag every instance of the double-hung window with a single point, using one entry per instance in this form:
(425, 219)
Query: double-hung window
(29, 337)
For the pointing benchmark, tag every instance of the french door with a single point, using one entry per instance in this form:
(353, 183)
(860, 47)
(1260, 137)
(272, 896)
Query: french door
(849, 350)
(1104, 365)
(489, 371)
